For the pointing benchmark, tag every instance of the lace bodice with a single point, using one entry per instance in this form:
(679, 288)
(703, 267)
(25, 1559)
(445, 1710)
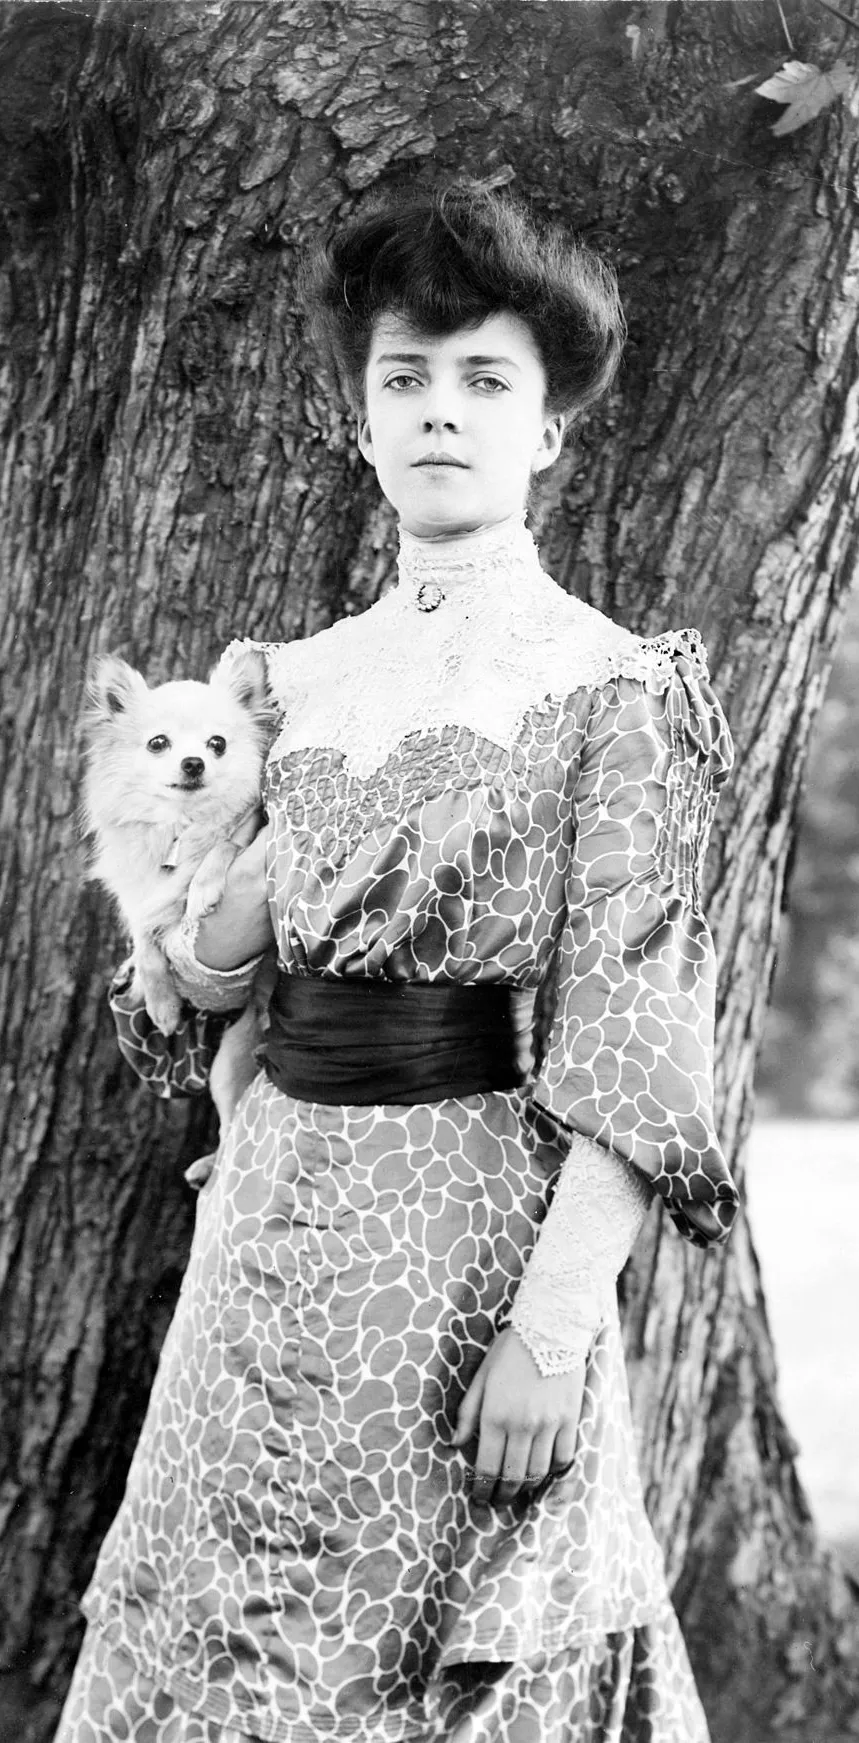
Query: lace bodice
(502, 638)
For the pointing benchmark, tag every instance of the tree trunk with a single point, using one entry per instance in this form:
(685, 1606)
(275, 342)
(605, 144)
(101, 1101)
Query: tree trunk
(809, 1066)
(177, 471)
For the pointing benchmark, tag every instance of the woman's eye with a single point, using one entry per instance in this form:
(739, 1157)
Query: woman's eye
(158, 744)
(490, 384)
(400, 383)
(216, 744)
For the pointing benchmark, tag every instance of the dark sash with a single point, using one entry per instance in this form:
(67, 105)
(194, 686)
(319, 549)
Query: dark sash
(374, 1041)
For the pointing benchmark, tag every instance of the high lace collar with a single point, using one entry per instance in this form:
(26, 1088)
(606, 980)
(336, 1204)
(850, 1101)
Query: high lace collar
(469, 561)
(503, 639)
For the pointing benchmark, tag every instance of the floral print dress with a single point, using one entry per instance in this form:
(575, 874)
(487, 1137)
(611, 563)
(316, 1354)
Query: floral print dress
(521, 789)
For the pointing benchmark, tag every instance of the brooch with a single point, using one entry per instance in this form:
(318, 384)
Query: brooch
(429, 596)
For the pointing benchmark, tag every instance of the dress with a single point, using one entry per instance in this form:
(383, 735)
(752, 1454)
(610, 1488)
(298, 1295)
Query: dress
(297, 1556)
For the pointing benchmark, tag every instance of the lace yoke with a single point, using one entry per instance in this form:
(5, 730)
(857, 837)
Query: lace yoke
(502, 639)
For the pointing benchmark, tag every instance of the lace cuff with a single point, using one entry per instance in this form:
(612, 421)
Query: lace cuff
(208, 989)
(568, 1291)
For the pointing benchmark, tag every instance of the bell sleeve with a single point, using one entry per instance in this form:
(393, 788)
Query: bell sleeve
(629, 1060)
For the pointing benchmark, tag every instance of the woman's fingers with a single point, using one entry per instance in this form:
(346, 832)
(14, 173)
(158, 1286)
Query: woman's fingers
(540, 1459)
(488, 1466)
(513, 1467)
(564, 1449)
(527, 1465)
(468, 1415)
(566, 1439)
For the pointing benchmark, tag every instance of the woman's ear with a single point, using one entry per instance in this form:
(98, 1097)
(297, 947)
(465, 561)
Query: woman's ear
(551, 443)
(365, 440)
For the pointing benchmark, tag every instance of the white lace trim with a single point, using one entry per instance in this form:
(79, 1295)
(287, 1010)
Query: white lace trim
(503, 639)
(568, 1290)
(209, 989)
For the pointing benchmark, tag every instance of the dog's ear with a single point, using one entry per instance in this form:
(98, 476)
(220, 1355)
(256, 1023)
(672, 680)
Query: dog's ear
(113, 686)
(241, 670)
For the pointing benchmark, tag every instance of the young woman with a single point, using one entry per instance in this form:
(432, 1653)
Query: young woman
(386, 1487)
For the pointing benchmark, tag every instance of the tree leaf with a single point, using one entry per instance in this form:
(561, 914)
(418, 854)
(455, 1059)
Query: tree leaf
(782, 87)
(805, 90)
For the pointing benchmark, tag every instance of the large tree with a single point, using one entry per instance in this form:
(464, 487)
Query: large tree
(177, 471)
(810, 1063)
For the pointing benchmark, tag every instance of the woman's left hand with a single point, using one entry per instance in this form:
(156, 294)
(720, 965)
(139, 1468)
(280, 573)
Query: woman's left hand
(239, 927)
(524, 1424)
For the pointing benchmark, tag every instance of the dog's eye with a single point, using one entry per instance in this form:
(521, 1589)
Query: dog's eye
(217, 745)
(158, 744)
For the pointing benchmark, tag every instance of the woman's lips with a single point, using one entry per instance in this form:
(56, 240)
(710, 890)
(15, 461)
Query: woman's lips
(440, 460)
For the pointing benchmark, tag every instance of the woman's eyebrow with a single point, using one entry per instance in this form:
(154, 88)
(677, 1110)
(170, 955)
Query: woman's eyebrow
(401, 357)
(421, 357)
(506, 362)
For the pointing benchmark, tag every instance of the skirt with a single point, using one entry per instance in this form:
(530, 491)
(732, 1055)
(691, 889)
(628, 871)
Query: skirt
(297, 1556)
(636, 1689)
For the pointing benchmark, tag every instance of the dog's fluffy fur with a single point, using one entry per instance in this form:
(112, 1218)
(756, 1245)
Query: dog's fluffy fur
(171, 773)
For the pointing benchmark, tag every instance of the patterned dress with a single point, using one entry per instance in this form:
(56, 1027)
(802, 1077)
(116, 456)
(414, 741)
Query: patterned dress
(297, 1556)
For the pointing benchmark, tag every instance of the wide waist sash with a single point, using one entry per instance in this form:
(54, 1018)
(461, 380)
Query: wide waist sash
(370, 1041)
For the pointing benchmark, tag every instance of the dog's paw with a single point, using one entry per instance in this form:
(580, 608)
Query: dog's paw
(164, 1007)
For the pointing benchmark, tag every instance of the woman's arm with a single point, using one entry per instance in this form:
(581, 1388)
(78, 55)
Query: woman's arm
(629, 1060)
(215, 983)
(522, 1408)
(240, 927)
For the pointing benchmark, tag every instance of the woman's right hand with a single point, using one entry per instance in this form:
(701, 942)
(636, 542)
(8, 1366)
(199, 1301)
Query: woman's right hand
(519, 1425)
(240, 927)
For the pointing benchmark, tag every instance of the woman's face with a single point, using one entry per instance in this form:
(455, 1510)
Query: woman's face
(456, 426)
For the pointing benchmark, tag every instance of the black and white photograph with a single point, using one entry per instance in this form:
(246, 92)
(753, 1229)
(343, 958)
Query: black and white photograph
(429, 874)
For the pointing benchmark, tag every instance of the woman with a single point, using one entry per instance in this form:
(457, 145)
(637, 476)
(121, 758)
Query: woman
(386, 1487)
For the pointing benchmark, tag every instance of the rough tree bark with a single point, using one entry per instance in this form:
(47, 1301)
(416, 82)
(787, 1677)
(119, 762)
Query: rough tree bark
(176, 471)
(809, 1067)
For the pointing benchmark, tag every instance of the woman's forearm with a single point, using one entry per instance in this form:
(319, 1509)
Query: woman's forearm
(569, 1283)
(240, 927)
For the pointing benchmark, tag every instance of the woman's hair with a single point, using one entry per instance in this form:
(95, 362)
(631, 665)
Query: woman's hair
(449, 258)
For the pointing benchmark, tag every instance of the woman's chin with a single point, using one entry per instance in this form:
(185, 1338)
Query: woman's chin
(448, 520)
(447, 529)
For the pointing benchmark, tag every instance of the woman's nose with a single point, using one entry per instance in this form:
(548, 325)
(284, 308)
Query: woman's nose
(441, 411)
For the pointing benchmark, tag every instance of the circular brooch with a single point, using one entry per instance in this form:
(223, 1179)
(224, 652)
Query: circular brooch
(429, 596)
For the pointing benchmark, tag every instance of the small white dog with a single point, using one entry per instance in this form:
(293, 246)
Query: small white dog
(172, 774)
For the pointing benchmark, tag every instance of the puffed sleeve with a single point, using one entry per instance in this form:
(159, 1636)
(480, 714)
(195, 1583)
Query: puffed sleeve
(174, 1065)
(629, 1059)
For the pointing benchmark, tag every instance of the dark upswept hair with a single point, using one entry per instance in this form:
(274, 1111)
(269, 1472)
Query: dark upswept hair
(449, 257)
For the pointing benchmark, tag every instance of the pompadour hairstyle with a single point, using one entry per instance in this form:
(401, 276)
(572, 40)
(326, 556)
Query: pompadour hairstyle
(449, 258)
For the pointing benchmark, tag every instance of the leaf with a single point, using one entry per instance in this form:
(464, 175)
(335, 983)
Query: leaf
(783, 85)
(805, 90)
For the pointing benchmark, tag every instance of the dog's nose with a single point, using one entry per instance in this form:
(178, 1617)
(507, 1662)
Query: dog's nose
(193, 767)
